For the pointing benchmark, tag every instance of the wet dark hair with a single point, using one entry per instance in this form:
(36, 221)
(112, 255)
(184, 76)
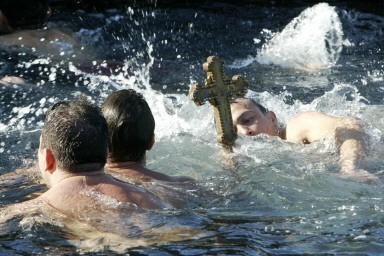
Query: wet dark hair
(261, 107)
(258, 105)
(76, 133)
(130, 125)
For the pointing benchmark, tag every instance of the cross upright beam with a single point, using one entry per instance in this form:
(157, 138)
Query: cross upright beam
(219, 90)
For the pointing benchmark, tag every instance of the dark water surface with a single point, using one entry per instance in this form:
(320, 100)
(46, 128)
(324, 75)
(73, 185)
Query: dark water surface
(283, 199)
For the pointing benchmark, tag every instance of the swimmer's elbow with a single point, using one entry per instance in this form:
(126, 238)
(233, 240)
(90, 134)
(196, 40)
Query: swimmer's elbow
(352, 129)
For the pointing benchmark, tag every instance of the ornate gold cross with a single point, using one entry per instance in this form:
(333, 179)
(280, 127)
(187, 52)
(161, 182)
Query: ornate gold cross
(219, 91)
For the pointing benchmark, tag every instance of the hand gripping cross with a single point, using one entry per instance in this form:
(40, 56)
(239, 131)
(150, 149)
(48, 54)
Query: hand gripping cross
(219, 91)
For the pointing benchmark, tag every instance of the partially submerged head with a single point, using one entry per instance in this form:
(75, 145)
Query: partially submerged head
(74, 135)
(251, 118)
(131, 126)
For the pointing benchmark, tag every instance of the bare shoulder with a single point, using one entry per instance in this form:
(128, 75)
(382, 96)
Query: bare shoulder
(143, 198)
(10, 211)
(309, 126)
(141, 173)
(310, 116)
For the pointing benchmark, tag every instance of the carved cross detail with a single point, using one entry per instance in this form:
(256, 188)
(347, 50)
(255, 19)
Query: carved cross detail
(219, 91)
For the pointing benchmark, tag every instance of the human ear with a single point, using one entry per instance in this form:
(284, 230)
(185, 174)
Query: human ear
(272, 116)
(151, 142)
(48, 160)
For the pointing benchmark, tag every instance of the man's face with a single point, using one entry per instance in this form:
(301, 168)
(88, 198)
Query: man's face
(250, 121)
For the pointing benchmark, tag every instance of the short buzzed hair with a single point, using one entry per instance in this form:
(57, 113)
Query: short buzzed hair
(76, 133)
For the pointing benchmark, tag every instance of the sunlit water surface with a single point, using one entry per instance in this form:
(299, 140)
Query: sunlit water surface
(282, 198)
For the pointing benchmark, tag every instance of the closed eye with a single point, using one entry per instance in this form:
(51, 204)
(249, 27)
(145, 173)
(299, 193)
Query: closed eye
(247, 118)
(247, 121)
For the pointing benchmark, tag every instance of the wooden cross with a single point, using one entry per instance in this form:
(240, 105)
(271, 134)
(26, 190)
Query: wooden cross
(219, 91)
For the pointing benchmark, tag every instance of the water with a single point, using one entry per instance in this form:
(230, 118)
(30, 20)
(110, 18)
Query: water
(282, 198)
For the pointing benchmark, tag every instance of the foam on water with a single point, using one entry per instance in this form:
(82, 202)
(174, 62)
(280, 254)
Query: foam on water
(312, 41)
(173, 113)
(316, 210)
(343, 100)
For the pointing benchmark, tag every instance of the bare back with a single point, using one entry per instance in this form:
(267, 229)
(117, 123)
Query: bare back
(81, 194)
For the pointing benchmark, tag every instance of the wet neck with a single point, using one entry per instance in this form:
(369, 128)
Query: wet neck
(283, 133)
(60, 175)
(127, 165)
(87, 168)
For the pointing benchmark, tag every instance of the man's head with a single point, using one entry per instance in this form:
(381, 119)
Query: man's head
(74, 135)
(251, 118)
(131, 126)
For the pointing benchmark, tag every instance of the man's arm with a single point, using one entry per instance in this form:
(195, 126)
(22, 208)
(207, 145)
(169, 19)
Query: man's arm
(348, 133)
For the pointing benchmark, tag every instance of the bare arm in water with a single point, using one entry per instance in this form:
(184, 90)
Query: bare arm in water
(349, 134)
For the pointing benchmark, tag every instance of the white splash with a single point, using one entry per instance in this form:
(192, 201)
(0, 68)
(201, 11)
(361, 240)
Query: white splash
(343, 100)
(173, 113)
(312, 41)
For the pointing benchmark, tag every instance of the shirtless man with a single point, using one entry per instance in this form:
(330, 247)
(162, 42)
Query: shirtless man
(71, 157)
(22, 25)
(131, 128)
(251, 119)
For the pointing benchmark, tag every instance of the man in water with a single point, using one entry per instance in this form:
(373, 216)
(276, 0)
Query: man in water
(71, 157)
(23, 25)
(131, 133)
(251, 119)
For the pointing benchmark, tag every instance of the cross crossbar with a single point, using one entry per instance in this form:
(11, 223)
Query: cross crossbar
(218, 90)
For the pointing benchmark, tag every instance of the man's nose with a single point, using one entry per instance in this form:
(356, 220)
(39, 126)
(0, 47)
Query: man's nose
(250, 133)
(245, 130)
